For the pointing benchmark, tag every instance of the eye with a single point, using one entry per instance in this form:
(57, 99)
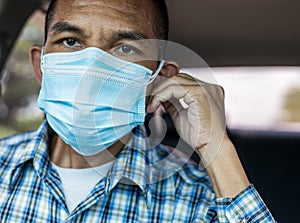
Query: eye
(126, 50)
(71, 42)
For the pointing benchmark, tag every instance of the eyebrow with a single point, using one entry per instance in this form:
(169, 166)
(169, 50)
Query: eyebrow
(129, 35)
(66, 27)
(117, 36)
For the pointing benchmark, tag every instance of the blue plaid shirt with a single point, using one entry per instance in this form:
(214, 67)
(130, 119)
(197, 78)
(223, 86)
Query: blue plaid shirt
(142, 186)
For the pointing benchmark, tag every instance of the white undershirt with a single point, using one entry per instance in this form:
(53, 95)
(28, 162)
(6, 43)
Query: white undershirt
(78, 183)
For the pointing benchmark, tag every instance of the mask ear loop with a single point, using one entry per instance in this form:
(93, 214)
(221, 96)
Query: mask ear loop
(42, 54)
(153, 76)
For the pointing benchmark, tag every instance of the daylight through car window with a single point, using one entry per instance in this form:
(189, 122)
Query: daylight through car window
(260, 98)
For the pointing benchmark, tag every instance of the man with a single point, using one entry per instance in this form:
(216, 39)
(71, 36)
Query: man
(84, 164)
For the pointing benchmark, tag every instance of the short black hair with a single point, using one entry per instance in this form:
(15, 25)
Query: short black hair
(49, 16)
(161, 18)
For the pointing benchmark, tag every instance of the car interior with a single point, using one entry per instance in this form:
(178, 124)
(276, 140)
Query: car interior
(230, 33)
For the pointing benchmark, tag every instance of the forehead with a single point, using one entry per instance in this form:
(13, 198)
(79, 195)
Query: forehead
(107, 14)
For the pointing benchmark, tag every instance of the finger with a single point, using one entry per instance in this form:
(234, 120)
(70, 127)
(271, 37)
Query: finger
(180, 79)
(166, 94)
(188, 99)
(173, 107)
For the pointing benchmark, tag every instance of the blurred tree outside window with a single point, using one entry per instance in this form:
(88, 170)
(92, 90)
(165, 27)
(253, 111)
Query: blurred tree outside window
(292, 105)
(18, 110)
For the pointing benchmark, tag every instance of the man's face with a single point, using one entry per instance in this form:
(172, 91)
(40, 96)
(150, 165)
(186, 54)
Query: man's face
(109, 25)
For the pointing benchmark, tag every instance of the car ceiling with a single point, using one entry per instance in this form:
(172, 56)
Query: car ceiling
(223, 33)
(238, 32)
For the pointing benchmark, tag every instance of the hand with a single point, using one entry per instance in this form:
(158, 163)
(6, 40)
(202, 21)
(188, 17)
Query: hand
(202, 123)
(202, 126)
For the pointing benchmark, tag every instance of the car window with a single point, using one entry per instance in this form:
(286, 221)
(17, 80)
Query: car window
(19, 89)
(257, 98)
(260, 98)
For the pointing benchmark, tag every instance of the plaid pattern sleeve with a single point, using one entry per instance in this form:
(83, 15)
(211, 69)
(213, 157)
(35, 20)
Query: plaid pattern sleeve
(246, 207)
(143, 186)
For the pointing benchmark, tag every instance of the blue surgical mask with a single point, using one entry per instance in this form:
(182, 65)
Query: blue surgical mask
(92, 99)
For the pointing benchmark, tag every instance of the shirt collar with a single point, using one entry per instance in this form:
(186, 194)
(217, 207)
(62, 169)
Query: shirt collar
(138, 162)
(142, 163)
(37, 146)
(131, 165)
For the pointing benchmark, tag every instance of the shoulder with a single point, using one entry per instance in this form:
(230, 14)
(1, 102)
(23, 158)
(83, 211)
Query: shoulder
(13, 147)
(16, 139)
(15, 151)
(21, 147)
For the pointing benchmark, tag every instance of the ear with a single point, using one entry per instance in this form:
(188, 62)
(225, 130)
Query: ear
(35, 60)
(170, 69)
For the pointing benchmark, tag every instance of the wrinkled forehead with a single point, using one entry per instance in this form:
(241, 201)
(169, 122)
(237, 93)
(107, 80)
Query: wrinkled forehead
(129, 5)
(131, 14)
(135, 12)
